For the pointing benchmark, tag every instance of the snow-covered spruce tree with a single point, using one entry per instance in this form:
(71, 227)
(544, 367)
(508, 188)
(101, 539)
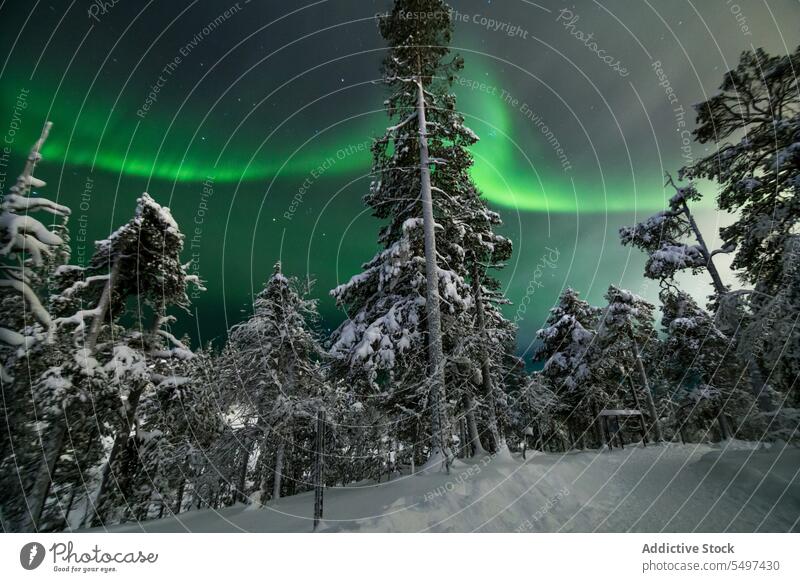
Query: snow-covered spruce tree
(231, 472)
(25, 245)
(758, 105)
(225, 472)
(27, 249)
(566, 346)
(126, 367)
(674, 242)
(72, 393)
(384, 345)
(169, 411)
(768, 342)
(624, 331)
(538, 413)
(781, 346)
(481, 366)
(494, 336)
(151, 372)
(32, 255)
(354, 455)
(140, 259)
(700, 358)
(277, 359)
(63, 387)
(178, 421)
(567, 335)
(510, 379)
(199, 423)
(69, 393)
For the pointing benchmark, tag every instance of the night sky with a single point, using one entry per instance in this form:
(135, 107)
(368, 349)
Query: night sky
(253, 120)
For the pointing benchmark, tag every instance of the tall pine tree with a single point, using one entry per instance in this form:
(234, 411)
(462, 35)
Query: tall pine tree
(396, 343)
(277, 362)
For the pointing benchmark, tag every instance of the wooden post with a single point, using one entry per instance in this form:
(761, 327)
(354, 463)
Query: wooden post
(319, 467)
(240, 485)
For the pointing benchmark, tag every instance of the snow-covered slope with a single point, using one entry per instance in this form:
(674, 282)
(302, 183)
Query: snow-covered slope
(665, 488)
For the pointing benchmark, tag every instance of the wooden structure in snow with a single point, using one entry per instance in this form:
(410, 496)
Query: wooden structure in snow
(609, 422)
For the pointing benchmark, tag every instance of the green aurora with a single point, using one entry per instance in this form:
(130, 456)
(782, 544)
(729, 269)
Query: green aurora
(508, 168)
(281, 119)
(522, 178)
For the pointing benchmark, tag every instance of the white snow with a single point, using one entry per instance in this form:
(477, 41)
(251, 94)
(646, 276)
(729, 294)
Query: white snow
(672, 488)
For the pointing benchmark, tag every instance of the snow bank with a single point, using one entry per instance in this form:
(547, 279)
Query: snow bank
(738, 488)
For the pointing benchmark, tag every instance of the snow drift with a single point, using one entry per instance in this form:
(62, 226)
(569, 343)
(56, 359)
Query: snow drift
(736, 488)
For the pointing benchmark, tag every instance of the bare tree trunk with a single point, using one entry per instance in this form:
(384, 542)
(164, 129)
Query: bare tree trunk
(712, 269)
(598, 425)
(102, 308)
(279, 456)
(179, 501)
(472, 427)
(121, 439)
(44, 476)
(266, 472)
(486, 372)
(435, 351)
(638, 405)
(651, 404)
(319, 468)
(725, 431)
(70, 503)
(754, 372)
(243, 475)
(289, 470)
(462, 438)
(392, 456)
(42, 482)
(758, 385)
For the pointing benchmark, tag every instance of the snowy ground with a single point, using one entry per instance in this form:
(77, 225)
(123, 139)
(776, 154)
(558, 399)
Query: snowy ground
(667, 488)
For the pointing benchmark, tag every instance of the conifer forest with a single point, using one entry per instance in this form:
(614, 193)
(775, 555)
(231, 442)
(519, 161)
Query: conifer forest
(458, 266)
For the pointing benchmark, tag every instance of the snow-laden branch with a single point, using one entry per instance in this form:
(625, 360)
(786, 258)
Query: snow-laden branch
(78, 319)
(407, 120)
(25, 204)
(196, 281)
(36, 307)
(395, 78)
(13, 338)
(443, 193)
(83, 284)
(179, 349)
(16, 226)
